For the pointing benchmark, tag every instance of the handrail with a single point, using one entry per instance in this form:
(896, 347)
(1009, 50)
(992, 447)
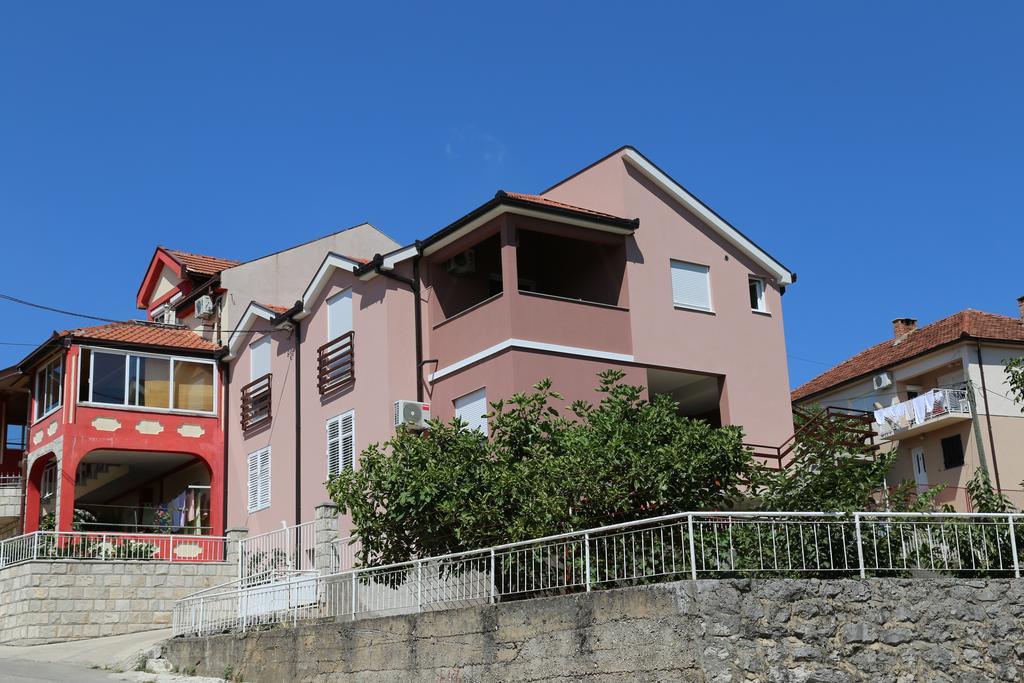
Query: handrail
(853, 415)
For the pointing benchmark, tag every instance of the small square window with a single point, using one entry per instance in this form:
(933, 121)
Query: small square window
(757, 297)
(952, 452)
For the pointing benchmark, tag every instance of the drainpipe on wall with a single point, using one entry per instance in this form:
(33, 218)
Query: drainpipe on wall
(988, 416)
(226, 409)
(289, 318)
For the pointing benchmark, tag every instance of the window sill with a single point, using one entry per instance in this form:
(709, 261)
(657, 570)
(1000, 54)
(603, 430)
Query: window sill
(766, 314)
(705, 311)
(46, 415)
(143, 409)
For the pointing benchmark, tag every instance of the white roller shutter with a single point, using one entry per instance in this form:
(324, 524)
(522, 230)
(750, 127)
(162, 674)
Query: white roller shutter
(339, 315)
(259, 355)
(472, 409)
(691, 285)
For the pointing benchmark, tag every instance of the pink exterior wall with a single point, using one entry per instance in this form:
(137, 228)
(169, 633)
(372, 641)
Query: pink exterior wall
(384, 354)
(747, 348)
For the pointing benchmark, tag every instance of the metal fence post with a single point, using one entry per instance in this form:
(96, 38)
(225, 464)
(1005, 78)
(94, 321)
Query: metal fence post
(419, 586)
(202, 614)
(353, 595)
(35, 546)
(494, 583)
(586, 559)
(1013, 547)
(860, 544)
(693, 548)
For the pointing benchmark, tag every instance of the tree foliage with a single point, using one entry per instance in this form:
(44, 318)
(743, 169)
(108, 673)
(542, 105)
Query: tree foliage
(1015, 379)
(540, 473)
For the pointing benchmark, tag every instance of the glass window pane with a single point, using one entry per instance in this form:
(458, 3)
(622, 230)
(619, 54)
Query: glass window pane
(108, 378)
(83, 375)
(193, 386)
(52, 391)
(149, 382)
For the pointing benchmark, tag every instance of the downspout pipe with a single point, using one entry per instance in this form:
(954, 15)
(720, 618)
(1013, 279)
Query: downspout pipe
(288, 318)
(988, 416)
(376, 265)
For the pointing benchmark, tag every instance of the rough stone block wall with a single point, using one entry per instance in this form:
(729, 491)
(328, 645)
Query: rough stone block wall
(46, 602)
(888, 630)
(10, 502)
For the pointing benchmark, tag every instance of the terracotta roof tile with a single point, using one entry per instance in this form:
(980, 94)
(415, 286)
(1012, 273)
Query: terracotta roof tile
(544, 201)
(965, 324)
(142, 333)
(272, 307)
(198, 264)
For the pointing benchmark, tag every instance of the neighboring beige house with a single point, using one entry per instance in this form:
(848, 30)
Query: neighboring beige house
(940, 397)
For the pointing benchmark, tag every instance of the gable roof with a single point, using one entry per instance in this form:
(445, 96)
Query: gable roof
(254, 312)
(706, 214)
(199, 264)
(968, 324)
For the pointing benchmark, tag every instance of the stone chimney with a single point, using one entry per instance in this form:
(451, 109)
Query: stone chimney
(1020, 306)
(900, 326)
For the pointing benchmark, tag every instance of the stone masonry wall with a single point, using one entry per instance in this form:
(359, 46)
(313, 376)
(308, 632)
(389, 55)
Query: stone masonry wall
(45, 601)
(889, 630)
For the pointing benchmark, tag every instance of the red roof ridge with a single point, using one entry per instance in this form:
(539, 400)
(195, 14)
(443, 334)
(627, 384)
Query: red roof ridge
(200, 264)
(143, 333)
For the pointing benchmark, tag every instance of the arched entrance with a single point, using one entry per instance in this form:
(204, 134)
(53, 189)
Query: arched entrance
(41, 491)
(143, 492)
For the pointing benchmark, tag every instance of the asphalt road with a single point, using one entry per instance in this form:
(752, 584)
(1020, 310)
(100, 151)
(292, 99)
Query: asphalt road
(24, 671)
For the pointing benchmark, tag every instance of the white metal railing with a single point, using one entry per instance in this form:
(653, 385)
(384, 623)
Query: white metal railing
(85, 545)
(288, 548)
(915, 412)
(343, 555)
(672, 547)
(10, 481)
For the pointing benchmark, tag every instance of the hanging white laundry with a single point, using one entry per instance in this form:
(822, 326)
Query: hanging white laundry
(922, 406)
(891, 414)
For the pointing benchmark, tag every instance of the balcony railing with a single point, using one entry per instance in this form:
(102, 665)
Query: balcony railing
(919, 411)
(256, 403)
(336, 364)
(10, 481)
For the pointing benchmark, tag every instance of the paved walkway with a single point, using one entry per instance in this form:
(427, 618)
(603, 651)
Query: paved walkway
(96, 660)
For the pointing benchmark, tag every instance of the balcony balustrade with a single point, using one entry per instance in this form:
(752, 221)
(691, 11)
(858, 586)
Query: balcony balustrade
(256, 403)
(336, 364)
(929, 411)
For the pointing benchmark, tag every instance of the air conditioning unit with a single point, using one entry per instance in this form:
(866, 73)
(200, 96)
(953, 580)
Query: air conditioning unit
(204, 307)
(412, 414)
(461, 264)
(882, 380)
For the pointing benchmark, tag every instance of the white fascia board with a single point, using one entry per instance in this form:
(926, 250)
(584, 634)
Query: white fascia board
(253, 312)
(733, 236)
(522, 211)
(533, 346)
(323, 274)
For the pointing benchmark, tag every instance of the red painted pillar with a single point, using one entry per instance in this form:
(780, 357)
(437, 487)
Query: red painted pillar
(33, 487)
(216, 499)
(66, 503)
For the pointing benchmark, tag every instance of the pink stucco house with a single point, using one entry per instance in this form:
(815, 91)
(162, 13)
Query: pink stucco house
(617, 266)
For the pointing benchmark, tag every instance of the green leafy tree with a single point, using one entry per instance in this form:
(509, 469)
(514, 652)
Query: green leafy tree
(1015, 379)
(834, 469)
(540, 473)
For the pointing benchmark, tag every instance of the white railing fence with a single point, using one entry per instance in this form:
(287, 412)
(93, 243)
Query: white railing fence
(10, 481)
(673, 547)
(343, 555)
(291, 548)
(84, 545)
(935, 403)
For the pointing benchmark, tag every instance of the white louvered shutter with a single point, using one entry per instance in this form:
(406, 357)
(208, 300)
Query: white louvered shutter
(472, 409)
(341, 443)
(259, 480)
(691, 285)
(264, 478)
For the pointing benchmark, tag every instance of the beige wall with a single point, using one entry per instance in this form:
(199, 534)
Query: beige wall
(279, 279)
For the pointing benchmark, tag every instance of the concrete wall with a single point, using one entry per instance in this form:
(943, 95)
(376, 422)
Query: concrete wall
(46, 602)
(898, 630)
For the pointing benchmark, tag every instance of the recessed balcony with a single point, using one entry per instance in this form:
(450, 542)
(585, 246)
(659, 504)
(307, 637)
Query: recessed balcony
(931, 410)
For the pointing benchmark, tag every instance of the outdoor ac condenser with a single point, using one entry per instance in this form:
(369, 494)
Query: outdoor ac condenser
(204, 307)
(882, 380)
(412, 414)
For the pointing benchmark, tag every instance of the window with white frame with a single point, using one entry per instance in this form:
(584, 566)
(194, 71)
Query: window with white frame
(691, 285)
(757, 296)
(120, 378)
(341, 443)
(339, 315)
(259, 480)
(49, 389)
(165, 314)
(472, 409)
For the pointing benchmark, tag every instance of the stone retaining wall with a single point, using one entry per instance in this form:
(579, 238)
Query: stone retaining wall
(895, 630)
(51, 601)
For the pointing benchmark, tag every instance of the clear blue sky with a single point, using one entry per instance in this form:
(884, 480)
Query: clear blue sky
(876, 148)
